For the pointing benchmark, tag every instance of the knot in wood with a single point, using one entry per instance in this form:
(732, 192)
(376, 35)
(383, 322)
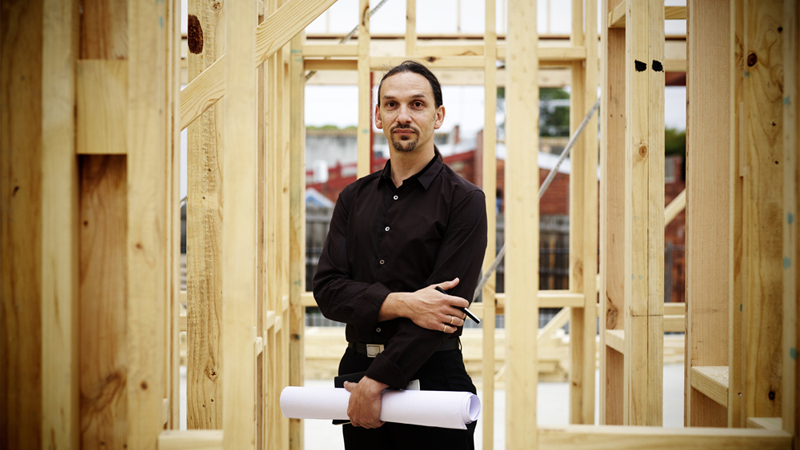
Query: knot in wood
(752, 59)
(643, 151)
(216, 6)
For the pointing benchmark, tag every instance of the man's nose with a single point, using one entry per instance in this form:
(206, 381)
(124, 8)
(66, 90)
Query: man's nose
(404, 117)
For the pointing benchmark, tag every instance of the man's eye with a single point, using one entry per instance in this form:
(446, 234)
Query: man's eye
(418, 104)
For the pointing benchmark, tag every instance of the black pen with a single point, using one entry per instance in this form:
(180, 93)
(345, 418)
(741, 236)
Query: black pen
(465, 310)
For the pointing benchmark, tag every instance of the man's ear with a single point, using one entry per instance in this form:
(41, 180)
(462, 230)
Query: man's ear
(378, 121)
(438, 118)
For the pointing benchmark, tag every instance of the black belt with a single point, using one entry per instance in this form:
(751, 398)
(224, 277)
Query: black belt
(372, 350)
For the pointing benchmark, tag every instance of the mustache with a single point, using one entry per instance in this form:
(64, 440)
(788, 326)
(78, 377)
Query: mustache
(404, 127)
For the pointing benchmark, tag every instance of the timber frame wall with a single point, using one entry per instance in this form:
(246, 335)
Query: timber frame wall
(91, 116)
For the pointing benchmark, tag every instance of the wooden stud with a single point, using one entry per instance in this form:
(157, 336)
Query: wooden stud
(297, 174)
(488, 166)
(238, 236)
(264, 419)
(411, 28)
(763, 207)
(103, 299)
(172, 382)
(21, 239)
(583, 210)
(644, 211)
(708, 237)
(364, 91)
(59, 283)
(147, 283)
(736, 375)
(204, 224)
(612, 147)
(522, 280)
(791, 201)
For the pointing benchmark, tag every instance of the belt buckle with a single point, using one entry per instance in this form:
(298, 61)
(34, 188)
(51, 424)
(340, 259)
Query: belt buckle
(373, 350)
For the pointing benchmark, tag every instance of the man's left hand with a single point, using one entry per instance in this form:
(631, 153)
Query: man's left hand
(364, 408)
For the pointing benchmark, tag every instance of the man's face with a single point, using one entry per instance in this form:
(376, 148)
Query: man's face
(407, 112)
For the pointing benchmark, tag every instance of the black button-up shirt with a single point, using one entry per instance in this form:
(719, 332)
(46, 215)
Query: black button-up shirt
(386, 239)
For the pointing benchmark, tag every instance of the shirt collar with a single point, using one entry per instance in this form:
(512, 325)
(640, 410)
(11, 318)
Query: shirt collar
(424, 177)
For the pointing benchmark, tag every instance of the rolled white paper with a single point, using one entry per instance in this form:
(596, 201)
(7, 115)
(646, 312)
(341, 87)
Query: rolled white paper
(443, 409)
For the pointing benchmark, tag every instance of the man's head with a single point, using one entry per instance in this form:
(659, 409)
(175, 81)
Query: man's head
(409, 107)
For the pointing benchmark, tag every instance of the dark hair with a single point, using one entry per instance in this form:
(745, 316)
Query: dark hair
(419, 69)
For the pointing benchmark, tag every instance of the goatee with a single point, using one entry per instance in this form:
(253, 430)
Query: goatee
(404, 146)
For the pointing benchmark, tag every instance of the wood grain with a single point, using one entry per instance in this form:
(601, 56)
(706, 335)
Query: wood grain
(20, 227)
(631, 438)
(204, 233)
(522, 263)
(149, 163)
(488, 180)
(791, 229)
(238, 261)
(104, 29)
(297, 255)
(60, 302)
(736, 279)
(102, 118)
(612, 148)
(708, 232)
(763, 203)
(364, 133)
(103, 300)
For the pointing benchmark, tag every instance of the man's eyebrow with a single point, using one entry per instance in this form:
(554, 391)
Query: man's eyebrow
(392, 97)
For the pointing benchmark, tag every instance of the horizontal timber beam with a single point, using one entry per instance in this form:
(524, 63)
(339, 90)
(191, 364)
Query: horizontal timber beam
(433, 54)
(616, 18)
(580, 437)
(190, 439)
(711, 381)
(272, 34)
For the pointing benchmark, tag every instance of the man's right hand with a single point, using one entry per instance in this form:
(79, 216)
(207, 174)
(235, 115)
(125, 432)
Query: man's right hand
(427, 307)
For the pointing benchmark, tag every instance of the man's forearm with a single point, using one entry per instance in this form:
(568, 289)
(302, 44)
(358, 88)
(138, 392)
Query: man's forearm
(393, 307)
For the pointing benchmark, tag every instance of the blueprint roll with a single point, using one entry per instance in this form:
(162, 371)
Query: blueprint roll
(443, 409)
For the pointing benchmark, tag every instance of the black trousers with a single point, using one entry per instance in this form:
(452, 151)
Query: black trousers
(444, 371)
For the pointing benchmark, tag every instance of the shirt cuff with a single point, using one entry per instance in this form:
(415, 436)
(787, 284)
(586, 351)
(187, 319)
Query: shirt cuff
(365, 315)
(386, 371)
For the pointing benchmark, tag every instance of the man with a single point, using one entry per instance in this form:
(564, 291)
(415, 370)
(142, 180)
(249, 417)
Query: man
(395, 236)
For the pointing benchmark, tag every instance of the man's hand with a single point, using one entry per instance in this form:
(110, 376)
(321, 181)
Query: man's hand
(427, 307)
(364, 408)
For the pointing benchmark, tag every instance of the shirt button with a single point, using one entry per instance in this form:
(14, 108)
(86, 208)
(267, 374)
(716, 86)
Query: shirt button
(395, 197)
(378, 330)
(387, 228)
(382, 262)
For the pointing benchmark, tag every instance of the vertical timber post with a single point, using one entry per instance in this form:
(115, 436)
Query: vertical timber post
(522, 212)
(644, 213)
(239, 234)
